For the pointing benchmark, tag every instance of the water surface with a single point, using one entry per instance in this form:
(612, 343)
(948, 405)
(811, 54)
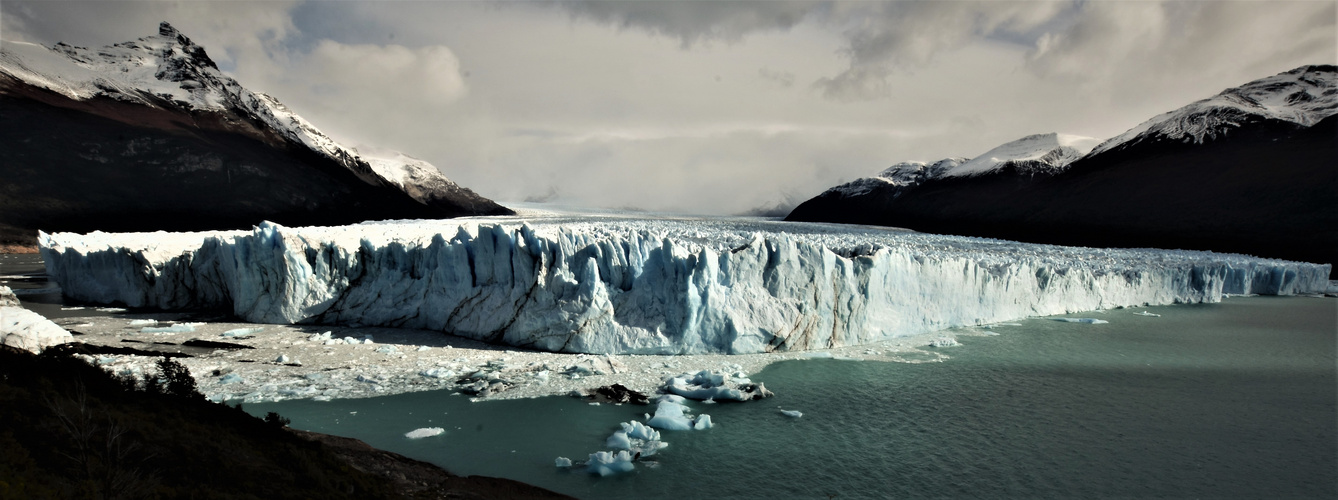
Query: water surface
(1216, 400)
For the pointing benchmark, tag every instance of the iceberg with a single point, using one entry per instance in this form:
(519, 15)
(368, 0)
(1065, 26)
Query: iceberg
(27, 330)
(605, 463)
(1090, 321)
(424, 432)
(641, 286)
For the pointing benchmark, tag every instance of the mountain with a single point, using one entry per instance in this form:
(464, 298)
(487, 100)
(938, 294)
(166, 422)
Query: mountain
(150, 135)
(1253, 169)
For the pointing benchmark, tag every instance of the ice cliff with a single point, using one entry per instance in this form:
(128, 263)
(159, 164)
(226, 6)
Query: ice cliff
(621, 285)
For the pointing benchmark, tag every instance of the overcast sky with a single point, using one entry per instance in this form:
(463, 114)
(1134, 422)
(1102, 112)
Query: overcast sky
(711, 107)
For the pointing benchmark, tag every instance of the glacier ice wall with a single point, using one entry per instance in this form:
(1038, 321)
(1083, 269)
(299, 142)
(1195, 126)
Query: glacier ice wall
(616, 285)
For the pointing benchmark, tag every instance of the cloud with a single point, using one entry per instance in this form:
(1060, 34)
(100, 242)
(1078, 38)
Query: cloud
(782, 78)
(696, 22)
(1181, 36)
(1130, 50)
(886, 38)
(879, 39)
(379, 75)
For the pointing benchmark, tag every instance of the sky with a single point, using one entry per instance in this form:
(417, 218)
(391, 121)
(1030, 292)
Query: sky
(710, 107)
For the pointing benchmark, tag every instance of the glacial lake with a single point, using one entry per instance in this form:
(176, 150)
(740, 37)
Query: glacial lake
(1236, 399)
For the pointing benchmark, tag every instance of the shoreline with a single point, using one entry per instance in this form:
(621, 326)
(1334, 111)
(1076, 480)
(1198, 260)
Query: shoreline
(418, 479)
(18, 248)
(251, 363)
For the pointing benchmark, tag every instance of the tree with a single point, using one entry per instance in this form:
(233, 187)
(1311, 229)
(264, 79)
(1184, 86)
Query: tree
(176, 379)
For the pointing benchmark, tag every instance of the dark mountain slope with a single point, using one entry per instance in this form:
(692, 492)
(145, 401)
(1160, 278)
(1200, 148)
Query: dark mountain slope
(1258, 185)
(149, 135)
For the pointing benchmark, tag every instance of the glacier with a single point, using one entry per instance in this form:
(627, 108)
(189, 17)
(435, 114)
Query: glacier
(628, 285)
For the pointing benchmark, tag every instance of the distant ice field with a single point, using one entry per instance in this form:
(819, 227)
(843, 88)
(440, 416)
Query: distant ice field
(619, 283)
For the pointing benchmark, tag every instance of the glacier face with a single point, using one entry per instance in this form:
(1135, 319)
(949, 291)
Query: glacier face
(627, 285)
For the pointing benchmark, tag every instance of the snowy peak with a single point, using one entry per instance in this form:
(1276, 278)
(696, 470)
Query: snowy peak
(1302, 96)
(914, 172)
(1040, 153)
(1030, 155)
(171, 73)
(167, 66)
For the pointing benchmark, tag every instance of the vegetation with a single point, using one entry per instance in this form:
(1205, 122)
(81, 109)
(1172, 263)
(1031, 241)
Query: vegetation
(71, 430)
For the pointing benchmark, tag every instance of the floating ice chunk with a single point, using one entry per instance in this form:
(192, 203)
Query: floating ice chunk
(703, 422)
(1090, 321)
(314, 376)
(231, 378)
(618, 441)
(792, 413)
(389, 349)
(669, 415)
(333, 341)
(943, 342)
(562, 462)
(817, 355)
(707, 384)
(242, 332)
(318, 337)
(424, 432)
(287, 360)
(422, 348)
(639, 430)
(437, 373)
(143, 322)
(177, 328)
(1145, 313)
(111, 309)
(605, 463)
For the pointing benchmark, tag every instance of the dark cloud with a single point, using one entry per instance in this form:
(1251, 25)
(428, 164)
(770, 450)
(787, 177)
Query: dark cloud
(694, 22)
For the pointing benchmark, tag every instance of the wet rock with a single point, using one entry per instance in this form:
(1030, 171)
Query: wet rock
(617, 393)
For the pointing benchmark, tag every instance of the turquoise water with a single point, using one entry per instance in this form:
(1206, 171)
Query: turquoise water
(1223, 400)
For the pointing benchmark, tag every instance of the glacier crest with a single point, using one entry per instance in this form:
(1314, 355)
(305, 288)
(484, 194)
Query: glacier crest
(641, 286)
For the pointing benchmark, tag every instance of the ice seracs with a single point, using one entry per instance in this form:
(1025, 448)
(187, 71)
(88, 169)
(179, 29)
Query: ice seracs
(642, 285)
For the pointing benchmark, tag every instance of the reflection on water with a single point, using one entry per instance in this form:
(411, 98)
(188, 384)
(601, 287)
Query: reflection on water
(1234, 399)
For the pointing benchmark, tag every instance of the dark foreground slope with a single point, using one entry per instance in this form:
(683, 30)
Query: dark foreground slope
(69, 430)
(1264, 187)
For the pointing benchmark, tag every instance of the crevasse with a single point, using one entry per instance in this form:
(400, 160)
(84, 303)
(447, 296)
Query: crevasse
(665, 286)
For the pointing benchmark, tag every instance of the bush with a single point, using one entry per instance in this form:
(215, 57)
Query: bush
(176, 380)
(277, 420)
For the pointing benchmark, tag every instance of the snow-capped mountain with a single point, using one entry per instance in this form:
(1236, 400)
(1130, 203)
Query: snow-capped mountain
(1249, 170)
(1039, 154)
(1033, 154)
(1302, 96)
(166, 85)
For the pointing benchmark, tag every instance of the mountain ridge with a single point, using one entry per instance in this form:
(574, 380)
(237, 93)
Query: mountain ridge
(1260, 182)
(135, 97)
